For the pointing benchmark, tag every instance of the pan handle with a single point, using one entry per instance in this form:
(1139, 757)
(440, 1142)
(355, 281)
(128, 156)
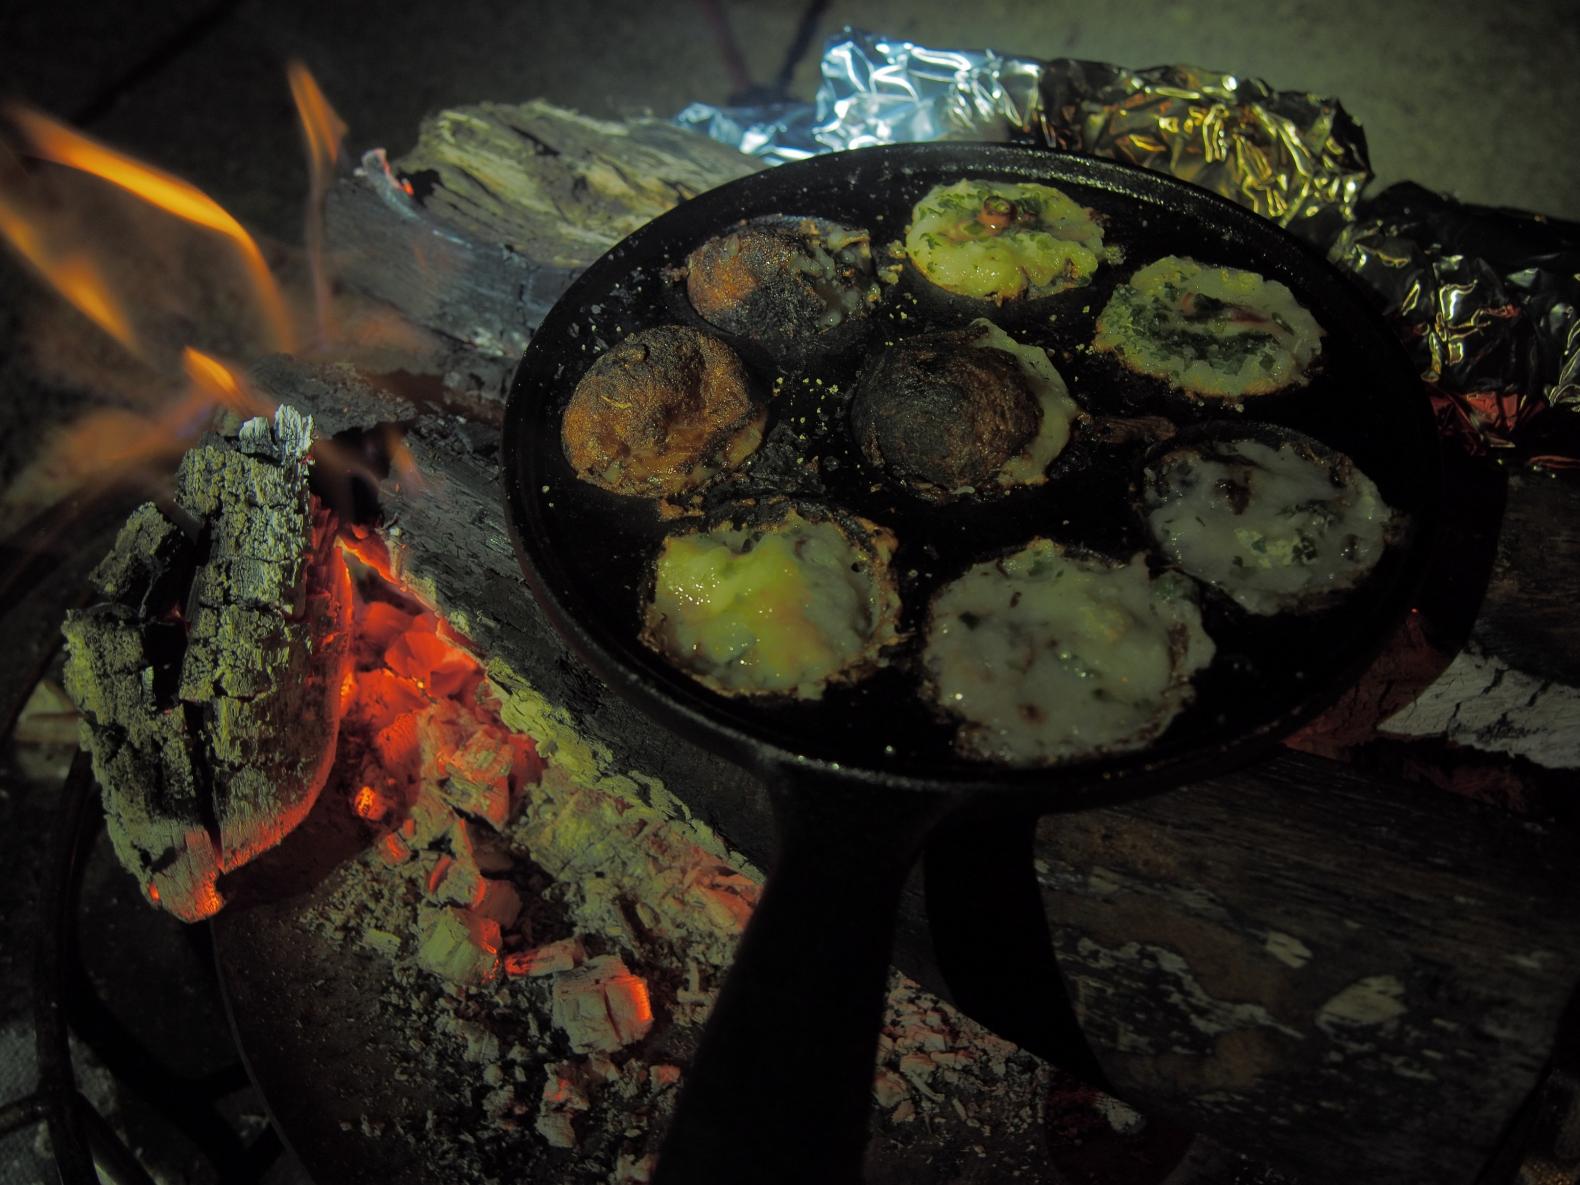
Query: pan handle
(781, 1084)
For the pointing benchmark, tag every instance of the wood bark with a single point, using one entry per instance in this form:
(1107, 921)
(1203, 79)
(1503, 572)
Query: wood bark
(208, 673)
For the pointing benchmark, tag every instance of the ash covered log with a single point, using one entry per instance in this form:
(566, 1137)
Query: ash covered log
(1298, 958)
(209, 674)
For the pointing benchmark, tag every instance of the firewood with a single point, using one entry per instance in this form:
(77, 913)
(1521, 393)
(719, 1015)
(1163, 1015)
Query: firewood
(209, 674)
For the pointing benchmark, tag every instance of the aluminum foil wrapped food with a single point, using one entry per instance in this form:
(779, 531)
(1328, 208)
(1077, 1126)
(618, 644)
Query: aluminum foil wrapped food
(1494, 329)
(1294, 157)
(1486, 301)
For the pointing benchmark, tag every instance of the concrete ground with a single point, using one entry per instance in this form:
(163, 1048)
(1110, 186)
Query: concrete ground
(1466, 97)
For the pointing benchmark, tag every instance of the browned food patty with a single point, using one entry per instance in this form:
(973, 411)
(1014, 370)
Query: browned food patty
(941, 412)
(662, 413)
(782, 279)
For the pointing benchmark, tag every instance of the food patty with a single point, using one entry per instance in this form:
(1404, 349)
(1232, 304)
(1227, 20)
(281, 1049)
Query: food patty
(1044, 656)
(1001, 240)
(959, 411)
(662, 413)
(782, 280)
(1209, 330)
(1279, 527)
(781, 602)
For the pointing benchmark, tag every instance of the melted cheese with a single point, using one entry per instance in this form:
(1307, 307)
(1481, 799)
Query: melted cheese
(1298, 535)
(1209, 330)
(1048, 658)
(777, 609)
(1053, 400)
(1056, 244)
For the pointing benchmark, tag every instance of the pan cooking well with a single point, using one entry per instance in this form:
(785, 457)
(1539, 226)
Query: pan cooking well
(861, 775)
(589, 552)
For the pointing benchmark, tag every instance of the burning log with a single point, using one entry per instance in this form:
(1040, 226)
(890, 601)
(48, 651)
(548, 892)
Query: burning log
(210, 675)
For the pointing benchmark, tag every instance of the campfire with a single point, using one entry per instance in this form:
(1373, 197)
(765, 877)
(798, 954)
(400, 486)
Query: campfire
(261, 681)
(472, 911)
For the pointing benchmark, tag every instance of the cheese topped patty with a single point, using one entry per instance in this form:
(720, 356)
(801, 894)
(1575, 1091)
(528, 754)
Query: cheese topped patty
(1278, 528)
(1047, 657)
(779, 607)
(1209, 330)
(1000, 240)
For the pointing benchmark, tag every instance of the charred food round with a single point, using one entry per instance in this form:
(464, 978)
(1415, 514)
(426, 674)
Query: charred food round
(662, 413)
(782, 280)
(955, 411)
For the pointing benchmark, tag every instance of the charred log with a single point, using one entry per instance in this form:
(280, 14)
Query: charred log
(209, 674)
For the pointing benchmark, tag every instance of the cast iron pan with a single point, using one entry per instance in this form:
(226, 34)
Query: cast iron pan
(780, 1086)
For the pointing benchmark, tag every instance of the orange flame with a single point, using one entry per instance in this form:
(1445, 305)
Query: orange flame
(56, 142)
(323, 131)
(323, 128)
(209, 376)
(70, 272)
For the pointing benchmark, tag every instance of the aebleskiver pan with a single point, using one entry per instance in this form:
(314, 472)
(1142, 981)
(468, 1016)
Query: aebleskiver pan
(779, 1089)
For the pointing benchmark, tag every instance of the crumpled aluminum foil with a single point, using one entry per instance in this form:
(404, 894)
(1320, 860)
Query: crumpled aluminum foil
(1486, 301)
(1296, 158)
(1499, 345)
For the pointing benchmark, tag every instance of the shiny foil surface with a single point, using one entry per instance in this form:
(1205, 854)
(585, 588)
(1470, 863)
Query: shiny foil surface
(1295, 158)
(1485, 300)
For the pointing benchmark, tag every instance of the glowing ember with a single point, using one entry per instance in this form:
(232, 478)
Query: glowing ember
(601, 1006)
(56, 142)
(436, 771)
(550, 959)
(394, 849)
(369, 804)
(436, 874)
